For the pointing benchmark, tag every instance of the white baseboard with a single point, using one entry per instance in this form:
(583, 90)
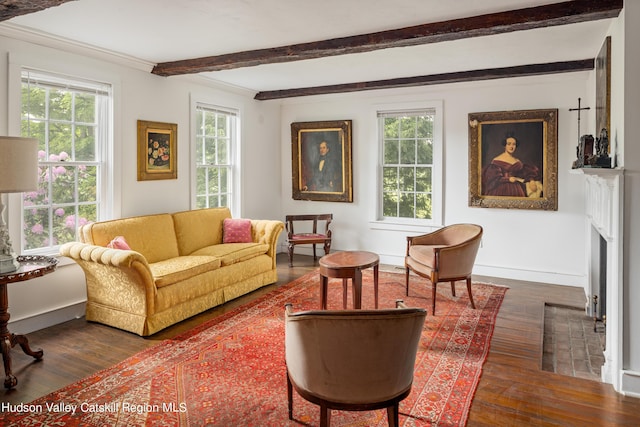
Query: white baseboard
(479, 269)
(630, 383)
(530, 275)
(50, 318)
(509, 273)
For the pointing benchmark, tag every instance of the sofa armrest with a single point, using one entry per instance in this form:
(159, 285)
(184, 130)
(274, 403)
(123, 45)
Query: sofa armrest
(116, 278)
(267, 232)
(101, 254)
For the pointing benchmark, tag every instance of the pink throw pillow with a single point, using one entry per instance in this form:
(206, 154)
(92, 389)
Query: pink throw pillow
(119, 243)
(236, 231)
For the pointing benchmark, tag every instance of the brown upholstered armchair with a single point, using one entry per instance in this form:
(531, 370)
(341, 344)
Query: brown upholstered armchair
(446, 255)
(354, 360)
(311, 236)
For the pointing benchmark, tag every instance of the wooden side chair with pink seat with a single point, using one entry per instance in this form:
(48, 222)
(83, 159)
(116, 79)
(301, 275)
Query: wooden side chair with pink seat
(309, 233)
(445, 255)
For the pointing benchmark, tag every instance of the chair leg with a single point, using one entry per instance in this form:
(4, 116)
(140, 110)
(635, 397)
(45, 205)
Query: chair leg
(327, 248)
(325, 416)
(290, 250)
(406, 279)
(392, 415)
(473, 305)
(453, 288)
(290, 396)
(433, 298)
(344, 293)
(314, 252)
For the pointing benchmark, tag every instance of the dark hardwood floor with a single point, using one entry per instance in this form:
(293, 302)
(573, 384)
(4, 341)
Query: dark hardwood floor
(513, 389)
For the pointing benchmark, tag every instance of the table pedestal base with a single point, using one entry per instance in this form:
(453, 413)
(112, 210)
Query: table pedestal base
(31, 266)
(348, 265)
(7, 342)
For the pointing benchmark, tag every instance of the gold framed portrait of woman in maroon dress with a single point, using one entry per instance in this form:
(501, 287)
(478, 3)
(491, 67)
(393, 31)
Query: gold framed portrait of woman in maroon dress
(513, 159)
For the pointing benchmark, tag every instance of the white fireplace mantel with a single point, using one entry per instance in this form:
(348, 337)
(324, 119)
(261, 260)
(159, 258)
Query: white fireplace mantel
(604, 199)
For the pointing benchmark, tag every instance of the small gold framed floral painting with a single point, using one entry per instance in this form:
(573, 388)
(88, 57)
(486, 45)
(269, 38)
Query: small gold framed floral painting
(157, 150)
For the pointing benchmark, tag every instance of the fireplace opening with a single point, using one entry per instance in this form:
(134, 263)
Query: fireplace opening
(597, 304)
(601, 312)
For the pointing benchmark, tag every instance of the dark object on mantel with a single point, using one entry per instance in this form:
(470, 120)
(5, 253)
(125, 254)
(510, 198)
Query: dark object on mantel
(584, 151)
(602, 159)
(586, 157)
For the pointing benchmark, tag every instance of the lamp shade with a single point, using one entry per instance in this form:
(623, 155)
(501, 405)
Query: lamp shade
(18, 164)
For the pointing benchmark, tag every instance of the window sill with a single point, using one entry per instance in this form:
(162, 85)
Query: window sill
(412, 227)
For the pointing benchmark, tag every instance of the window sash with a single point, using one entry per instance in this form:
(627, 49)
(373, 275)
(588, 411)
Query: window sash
(214, 159)
(407, 113)
(54, 81)
(409, 180)
(66, 208)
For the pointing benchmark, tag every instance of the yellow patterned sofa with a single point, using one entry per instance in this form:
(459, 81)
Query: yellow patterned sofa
(178, 266)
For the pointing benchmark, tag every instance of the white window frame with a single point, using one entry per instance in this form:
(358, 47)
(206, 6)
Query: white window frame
(234, 199)
(412, 224)
(104, 153)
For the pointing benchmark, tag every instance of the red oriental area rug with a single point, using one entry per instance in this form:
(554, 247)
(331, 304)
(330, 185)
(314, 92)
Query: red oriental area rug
(230, 370)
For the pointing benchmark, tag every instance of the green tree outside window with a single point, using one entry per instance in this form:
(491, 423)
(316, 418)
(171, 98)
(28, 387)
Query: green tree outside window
(66, 122)
(407, 157)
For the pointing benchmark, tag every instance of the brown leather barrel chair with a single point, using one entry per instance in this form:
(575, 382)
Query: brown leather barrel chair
(445, 255)
(354, 360)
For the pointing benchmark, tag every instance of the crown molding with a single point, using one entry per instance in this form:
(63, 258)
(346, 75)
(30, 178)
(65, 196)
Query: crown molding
(51, 41)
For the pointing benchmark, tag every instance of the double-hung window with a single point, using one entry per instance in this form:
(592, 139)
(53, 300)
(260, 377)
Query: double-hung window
(410, 187)
(72, 120)
(216, 143)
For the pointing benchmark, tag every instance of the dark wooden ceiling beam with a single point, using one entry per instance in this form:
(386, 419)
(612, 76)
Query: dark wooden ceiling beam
(457, 77)
(568, 12)
(12, 8)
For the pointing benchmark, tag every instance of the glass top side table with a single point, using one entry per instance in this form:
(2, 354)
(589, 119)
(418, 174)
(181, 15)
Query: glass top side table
(30, 267)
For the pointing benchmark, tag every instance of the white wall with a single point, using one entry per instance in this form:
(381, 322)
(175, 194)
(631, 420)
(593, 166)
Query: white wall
(138, 95)
(531, 245)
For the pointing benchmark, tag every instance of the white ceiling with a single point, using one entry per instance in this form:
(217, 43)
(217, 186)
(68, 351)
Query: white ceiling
(156, 31)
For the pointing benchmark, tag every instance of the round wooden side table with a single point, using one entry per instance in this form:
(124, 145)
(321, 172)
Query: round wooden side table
(30, 267)
(348, 265)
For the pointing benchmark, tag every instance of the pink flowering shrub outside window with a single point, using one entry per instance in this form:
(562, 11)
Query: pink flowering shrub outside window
(64, 201)
(71, 119)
